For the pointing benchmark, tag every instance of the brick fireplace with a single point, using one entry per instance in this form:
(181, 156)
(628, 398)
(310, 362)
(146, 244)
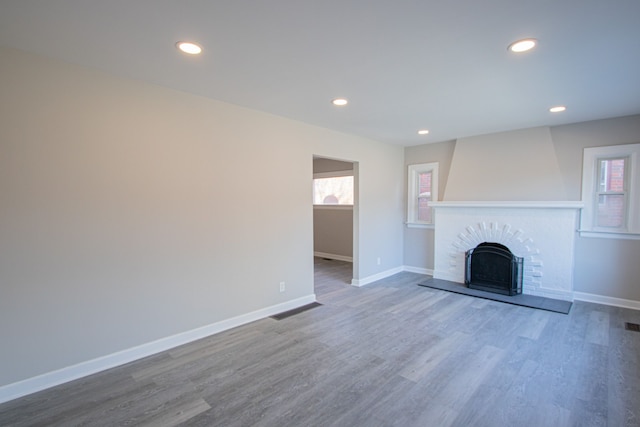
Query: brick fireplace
(543, 233)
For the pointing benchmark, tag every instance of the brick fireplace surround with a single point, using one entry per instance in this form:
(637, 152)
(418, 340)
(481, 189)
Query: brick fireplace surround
(543, 233)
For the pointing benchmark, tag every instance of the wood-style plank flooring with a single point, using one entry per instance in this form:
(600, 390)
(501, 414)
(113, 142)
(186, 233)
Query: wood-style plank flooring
(388, 354)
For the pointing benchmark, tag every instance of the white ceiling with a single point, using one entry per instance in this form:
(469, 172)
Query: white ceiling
(403, 64)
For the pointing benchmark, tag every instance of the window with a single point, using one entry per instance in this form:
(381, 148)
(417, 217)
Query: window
(611, 192)
(333, 188)
(422, 190)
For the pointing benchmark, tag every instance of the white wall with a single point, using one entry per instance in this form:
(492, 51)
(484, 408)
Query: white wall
(130, 212)
(603, 267)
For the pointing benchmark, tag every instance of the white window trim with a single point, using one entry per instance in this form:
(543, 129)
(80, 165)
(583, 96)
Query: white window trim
(420, 225)
(589, 190)
(412, 192)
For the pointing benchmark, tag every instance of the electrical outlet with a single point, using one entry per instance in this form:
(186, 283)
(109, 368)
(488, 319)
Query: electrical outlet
(282, 287)
(378, 260)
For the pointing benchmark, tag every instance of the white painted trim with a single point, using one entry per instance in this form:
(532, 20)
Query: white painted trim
(589, 186)
(420, 225)
(83, 369)
(413, 171)
(384, 274)
(602, 299)
(333, 256)
(376, 277)
(605, 235)
(418, 270)
(524, 204)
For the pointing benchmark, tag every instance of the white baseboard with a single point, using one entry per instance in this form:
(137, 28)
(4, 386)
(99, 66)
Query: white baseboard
(418, 270)
(333, 256)
(83, 369)
(601, 299)
(390, 272)
(375, 277)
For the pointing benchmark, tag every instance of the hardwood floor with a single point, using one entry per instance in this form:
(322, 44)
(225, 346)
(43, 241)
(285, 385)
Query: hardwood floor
(388, 354)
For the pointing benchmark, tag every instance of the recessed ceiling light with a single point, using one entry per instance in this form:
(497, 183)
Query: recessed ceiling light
(557, 109)
(522, 45)
(339, 102)
(188, 47)
(423, 132)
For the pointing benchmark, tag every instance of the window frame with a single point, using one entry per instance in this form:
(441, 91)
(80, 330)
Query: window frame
(591, 191)
(413, 174)
(600, 193)
(332, 174)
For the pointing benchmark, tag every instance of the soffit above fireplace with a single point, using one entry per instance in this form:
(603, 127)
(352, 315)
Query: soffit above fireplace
(515, 165)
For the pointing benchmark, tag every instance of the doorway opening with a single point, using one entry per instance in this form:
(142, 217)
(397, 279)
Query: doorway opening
(335, 230)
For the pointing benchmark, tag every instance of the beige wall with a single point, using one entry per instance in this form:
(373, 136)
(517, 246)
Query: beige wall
(517, 165)
(130, 212)
(602, 266)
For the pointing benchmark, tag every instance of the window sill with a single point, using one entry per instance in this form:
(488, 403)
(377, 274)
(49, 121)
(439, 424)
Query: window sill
(334, 207)
(609, 235)
(419, 225)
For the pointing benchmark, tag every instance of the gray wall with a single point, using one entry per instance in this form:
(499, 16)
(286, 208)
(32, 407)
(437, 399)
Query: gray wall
(321, 164)
(333, 231)
(602, 266)
(332, 227)
(131, 212)
(418, 242)
(571, 140)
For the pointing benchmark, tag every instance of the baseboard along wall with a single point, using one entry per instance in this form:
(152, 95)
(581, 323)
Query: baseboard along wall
(89, 367)
(333, 256)
(418, 270)
(605, 300)
(54, 378)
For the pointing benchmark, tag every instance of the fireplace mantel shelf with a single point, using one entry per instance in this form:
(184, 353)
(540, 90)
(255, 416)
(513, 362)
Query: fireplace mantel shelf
(515, 205)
